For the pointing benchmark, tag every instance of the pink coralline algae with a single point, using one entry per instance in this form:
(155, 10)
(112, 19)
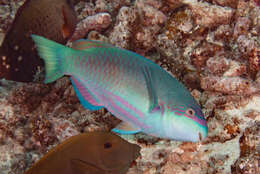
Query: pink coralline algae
(122, 31)
(151, 19)
(229, 3)
(210, 15)
(242, 26)
(229, 85)
(257, 2)
(250, 151)
(97, 22)
(218, 65)
(138, 26)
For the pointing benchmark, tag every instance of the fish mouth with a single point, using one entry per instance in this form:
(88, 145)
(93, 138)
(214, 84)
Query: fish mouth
(200, 137)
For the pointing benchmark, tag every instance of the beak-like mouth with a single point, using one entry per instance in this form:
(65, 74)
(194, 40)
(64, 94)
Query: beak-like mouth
(200, 137)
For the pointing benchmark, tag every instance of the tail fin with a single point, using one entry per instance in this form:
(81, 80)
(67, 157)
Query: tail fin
(53, 55)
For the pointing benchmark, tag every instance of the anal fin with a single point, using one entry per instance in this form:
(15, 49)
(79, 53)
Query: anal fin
(86, 98)
(126, 128)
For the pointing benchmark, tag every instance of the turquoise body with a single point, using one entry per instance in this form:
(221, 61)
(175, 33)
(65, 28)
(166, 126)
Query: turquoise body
(133, 88)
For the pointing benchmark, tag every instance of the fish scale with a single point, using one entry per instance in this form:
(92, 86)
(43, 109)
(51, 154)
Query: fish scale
(133, 88)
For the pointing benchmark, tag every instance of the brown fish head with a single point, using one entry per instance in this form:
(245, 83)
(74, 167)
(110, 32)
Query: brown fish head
(120, 152)
(108, 152)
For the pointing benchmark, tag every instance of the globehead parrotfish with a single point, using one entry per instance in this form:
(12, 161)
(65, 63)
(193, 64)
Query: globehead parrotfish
(133, 88)
(53, 19)
(88, 153)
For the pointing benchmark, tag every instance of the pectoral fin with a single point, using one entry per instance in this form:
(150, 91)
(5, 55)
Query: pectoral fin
(81, 167)
(153, 98)
(126, 128)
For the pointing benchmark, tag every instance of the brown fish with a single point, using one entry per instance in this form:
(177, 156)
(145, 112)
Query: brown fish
(88, 153)
(54, 19)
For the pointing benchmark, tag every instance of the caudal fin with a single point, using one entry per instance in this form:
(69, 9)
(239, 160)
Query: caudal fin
(53, 55)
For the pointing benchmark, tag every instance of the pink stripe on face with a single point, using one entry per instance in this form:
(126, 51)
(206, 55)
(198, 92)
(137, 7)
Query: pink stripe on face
(177, 113)
(199, 117)
(202, 122)
(177, 109)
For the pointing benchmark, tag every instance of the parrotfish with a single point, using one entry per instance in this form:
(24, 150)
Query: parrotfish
(88, 153)
(54, 19)
(133, 88)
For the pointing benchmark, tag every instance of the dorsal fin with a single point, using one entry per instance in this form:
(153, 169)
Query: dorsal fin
(84, 44)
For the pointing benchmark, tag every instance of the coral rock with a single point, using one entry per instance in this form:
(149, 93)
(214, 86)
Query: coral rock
(248, 163)
(210, 15)
(230, 3)
(245, 44)
(242, 26)
(217, 65)
(63, 129)
(229, 85)
(122, 31)
(150, 15)
(235, 69)
(97, 22)
(10, 156)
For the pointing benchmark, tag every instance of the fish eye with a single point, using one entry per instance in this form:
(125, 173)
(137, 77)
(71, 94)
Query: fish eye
(190, 112)
(157, 108)
(107, 145)
(70, 2)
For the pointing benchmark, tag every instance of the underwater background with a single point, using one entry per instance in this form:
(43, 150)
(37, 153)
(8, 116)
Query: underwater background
(212, 46)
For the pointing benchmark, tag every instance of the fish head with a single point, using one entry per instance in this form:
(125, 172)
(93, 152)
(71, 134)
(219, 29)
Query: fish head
(185, 122)
(121, 152)
(111, 152)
